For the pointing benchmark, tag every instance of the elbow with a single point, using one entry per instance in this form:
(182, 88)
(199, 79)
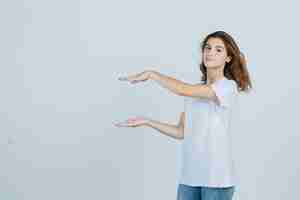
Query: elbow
(183, 90)
(188, 91)
(181, 94)
(180, 135)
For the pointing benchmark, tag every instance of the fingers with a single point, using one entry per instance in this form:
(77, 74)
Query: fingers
(125, 124)
(131, 81)
(133, 78)
(121, 124)
(123, 79)
(127, 78)
(131, 122)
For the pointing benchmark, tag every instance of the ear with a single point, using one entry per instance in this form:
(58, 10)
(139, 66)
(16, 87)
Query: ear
(228, 59)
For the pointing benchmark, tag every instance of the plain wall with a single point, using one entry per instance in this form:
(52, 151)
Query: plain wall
(59, 64)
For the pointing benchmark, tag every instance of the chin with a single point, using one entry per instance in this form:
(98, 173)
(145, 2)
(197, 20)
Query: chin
(210, 66)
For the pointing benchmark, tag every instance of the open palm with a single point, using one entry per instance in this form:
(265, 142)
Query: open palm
(132, 122)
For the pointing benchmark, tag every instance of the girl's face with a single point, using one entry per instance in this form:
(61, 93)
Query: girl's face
(214, 53)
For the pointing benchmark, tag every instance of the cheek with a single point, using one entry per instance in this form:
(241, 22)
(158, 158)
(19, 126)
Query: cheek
(222, 58)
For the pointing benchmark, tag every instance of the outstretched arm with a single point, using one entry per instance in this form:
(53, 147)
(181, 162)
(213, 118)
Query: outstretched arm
(176, 86)
(181, 88)
(174, 131)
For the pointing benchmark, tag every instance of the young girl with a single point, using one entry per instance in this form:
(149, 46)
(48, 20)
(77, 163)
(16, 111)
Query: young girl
(208, 171)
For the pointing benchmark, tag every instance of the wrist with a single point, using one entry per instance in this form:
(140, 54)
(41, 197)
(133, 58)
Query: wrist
(147, 122)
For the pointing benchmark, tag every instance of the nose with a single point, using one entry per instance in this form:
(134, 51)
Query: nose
(210, 53)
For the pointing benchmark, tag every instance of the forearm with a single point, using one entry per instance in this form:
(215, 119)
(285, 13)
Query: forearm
(166, 129)
(172, 84)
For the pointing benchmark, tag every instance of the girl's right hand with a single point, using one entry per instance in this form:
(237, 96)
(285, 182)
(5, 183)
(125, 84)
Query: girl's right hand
(133, 122)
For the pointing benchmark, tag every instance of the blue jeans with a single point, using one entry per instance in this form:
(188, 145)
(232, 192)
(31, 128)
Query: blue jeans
(186, 192)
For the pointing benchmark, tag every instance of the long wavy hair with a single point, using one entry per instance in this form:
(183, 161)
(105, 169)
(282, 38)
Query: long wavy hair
(236, 69)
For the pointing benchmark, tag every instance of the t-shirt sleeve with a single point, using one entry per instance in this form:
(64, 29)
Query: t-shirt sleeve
(225, 92)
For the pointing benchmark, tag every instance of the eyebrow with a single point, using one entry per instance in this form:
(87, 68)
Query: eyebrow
(216, 46)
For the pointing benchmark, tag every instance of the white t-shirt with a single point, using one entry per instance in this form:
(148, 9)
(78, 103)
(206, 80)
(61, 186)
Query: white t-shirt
(206, 151)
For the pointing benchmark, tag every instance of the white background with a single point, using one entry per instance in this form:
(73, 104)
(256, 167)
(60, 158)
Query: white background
(59, 64)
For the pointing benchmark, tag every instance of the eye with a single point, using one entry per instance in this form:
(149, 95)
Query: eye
(219, 50)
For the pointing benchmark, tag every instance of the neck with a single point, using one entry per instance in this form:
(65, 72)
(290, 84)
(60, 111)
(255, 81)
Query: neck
(214, 74)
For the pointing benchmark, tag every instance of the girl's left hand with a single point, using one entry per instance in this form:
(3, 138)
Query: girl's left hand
(145, 75)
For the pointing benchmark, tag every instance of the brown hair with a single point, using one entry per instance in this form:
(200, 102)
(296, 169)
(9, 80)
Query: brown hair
(236, 69)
